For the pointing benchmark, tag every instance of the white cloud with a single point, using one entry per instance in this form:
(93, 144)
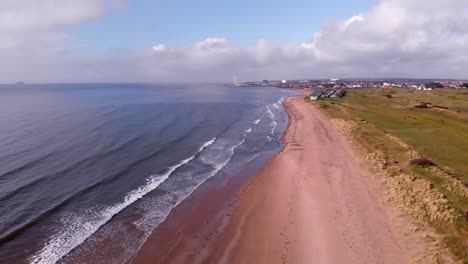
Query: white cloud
(395, 38)
(31, 23)
(418, 38)
(159, 48)
(401, 38)
(34, 41)
(352, 20)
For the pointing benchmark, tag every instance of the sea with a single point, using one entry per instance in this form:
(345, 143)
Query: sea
(86, 165)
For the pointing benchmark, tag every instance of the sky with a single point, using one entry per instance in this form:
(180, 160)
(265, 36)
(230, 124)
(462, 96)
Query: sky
(212, 41)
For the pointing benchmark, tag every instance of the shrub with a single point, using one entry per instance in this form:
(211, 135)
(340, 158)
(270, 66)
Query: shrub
(422, 162)
(421, 105)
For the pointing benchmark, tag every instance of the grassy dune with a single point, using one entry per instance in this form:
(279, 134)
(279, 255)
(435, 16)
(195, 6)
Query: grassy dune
(441, 134)
(390, 131)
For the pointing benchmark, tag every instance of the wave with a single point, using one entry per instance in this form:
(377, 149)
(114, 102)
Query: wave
(87, 161)
(27, 165)
(273, 124)
(248, 130)
(92, 160)
(37, 217)
(217, 167)
(257, 121)
(207, 144)
(216, 157)
(10, 233)
(80, 227)
(270, 113)
(278, 103)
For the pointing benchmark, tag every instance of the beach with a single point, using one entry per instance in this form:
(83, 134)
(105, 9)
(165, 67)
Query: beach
(311, 203)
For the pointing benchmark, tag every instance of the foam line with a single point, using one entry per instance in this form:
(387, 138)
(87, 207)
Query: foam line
(78, 228)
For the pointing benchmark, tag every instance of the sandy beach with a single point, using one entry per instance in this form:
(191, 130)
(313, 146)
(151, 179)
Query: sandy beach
(311, 203)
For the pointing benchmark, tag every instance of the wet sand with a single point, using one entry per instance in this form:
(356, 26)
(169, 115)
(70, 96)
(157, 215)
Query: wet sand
(311, 203)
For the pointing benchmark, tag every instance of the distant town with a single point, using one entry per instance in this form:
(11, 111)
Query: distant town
(418, 84)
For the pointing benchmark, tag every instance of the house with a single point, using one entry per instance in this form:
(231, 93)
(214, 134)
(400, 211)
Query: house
(335, 94)
(327, 94)
(424, 88)
(315, 95)
(338, 93)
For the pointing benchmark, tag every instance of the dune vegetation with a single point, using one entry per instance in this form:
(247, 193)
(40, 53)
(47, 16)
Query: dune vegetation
(416, 142)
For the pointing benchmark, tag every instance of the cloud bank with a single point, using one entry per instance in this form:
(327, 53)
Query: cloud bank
(395, 38)
(30, 23)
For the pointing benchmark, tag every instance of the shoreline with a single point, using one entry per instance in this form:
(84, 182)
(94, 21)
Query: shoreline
(308, 202)
(209, 208)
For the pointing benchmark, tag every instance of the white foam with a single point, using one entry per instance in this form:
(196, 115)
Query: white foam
(208, 143)
(79, 227)
(248, 130)
(273, 124)
(212, 158)
(270, 113)
(275, 105)
(257, 121)
(217, 168)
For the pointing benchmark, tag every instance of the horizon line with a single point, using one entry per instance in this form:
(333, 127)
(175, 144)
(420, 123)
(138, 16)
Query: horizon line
(259, 80)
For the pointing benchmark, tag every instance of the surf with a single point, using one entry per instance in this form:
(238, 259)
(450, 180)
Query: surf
(80, 227)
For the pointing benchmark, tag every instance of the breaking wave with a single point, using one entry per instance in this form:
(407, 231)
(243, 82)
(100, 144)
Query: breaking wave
(79, 227)
(270, 113)
(217, 165)
(273, 125)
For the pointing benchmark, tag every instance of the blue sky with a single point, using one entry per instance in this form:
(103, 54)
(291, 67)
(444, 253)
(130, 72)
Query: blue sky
(143, 23)
(211, 41)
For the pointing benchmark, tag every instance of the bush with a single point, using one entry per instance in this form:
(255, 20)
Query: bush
(422, 162)
(421, 105)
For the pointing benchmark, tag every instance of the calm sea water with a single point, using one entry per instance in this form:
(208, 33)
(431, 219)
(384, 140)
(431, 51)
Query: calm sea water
(84, 164)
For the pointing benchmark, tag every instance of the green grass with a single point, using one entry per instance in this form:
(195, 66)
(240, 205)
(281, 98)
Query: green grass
(439, 134)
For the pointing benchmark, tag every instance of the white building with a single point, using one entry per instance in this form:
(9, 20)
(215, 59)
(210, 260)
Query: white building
(315, 95)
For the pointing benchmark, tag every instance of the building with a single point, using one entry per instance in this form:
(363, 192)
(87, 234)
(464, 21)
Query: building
(315, 95)
(327, 94)
(338, 93)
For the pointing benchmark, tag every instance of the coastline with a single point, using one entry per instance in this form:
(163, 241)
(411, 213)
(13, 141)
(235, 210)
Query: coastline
(308, 202)
(200, 217)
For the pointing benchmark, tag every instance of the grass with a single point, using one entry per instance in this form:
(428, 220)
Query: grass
(439, 133)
